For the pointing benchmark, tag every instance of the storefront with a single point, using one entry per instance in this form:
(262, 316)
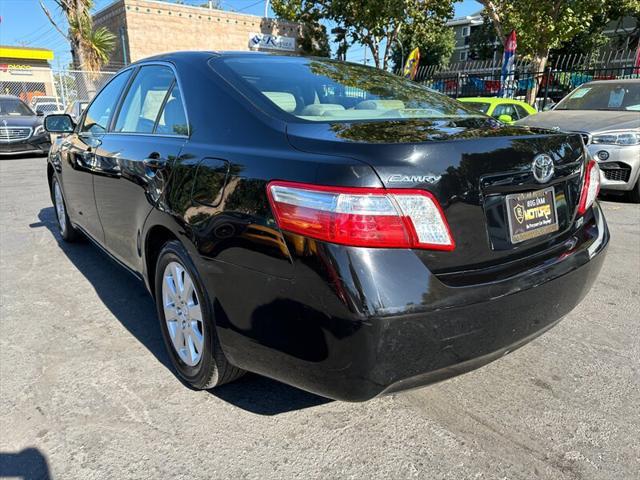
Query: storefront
(25, 72)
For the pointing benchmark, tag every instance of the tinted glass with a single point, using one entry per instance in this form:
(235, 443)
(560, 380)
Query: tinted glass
(521, 111)
(326, 90)
(99, 113)
(504, 109)
(144, 100)
(14, 107)
(172, 119)
(603, 96)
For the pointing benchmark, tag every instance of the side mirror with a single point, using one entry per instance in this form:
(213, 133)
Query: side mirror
(59, 123)
(40, 113)
(505, 118)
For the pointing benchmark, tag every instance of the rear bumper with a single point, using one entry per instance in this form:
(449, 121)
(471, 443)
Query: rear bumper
(356, 323)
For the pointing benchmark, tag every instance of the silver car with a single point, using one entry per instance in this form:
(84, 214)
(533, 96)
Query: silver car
(607, 113)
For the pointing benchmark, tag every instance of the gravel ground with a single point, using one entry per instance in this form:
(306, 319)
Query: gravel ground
(86, 390)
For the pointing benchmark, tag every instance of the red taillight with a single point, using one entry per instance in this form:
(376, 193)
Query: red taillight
(363, 217)
(590, 187)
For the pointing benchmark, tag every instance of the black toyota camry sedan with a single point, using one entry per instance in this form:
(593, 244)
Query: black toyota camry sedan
(326, 224)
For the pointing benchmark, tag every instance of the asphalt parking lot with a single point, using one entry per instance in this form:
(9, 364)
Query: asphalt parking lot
(87, 392)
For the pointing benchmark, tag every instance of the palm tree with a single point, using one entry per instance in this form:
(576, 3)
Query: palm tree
(90, 48)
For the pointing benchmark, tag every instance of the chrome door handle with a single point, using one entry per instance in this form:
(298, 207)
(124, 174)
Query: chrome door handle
(154, 162)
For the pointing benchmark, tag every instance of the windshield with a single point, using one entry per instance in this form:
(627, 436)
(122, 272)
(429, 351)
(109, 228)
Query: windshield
(481, 107)
(603, 96)
(326, 90)
(14, 107)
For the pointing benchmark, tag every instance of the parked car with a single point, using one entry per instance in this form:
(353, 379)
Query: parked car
(506, 110)
(326, 224)
(21, 129)
(42, 98)
(47, 108)
(607, 114)
(75, 109)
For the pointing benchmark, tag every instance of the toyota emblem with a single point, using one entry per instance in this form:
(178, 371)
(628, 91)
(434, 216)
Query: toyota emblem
(542, 168)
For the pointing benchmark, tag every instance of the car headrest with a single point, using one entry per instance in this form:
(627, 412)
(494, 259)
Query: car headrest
(380, 105)
(319, 109)
(285, 100)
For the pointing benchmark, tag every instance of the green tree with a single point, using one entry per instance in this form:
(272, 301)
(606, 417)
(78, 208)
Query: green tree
(313, 39)
(436, 44)
(482, 41)
(543, 25)
(90, 48)
(377, 24)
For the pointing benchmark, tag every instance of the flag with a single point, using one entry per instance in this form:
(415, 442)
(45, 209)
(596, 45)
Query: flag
(507, 78)
(411, 66)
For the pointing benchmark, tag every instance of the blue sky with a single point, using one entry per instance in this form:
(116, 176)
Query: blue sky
(24, 23)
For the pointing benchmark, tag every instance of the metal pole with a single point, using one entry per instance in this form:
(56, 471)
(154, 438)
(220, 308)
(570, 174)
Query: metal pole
(266, 8)
(546, 88)
(401, 54)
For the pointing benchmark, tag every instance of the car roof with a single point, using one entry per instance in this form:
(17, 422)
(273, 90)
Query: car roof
(8, 97)
(613, 80)
(491, 100)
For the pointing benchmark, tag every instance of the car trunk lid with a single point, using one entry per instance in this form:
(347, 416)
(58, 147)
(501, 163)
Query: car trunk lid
(470, 165)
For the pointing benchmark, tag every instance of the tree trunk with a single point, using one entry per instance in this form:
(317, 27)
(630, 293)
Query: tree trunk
(374, 46)
(538, 64)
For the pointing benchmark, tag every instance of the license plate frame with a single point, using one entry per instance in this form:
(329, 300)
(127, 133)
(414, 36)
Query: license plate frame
(531, 214)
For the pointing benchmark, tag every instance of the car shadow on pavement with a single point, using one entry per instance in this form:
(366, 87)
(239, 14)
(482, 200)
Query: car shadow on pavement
(128, 300)
(29, 464)
(264, 396)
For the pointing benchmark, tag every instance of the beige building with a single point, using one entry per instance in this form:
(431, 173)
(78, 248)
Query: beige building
(149, 27)
(25, 72)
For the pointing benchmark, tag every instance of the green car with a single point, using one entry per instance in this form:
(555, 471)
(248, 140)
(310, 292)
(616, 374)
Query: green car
(504, 109)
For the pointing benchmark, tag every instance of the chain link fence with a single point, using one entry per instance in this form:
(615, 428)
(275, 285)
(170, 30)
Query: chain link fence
(54, 89)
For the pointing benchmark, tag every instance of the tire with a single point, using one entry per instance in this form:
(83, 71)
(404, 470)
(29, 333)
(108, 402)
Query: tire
(187, 322)
(67, 231)
(634, 194)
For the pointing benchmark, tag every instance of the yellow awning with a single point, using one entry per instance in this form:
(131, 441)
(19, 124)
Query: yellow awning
(26, 53)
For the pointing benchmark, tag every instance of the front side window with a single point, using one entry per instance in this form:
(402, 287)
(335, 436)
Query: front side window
(145, 98)
(96, 120)
(610, 95)
(327, 90)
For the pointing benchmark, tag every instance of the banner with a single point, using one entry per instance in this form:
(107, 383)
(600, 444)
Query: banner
(507, 79)
(411, 65)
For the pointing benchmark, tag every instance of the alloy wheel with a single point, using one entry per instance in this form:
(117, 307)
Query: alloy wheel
(57, 195)
(183, 313)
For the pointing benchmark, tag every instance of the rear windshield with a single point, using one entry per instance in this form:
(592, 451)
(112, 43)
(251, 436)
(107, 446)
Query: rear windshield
(480, 107)
(14, 107)
(603, 96)
(325, 90)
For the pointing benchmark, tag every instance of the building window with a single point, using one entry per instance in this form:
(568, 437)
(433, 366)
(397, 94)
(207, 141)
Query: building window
(465, 31)
(464, 55)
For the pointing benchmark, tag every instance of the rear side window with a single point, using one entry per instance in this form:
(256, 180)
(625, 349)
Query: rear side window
(172, 119)
(505, 109)
(521, 111)
(97, 118)
(144, 100)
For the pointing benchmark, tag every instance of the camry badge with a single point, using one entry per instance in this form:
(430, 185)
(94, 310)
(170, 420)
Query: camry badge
(542, 168)
(430, 178)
